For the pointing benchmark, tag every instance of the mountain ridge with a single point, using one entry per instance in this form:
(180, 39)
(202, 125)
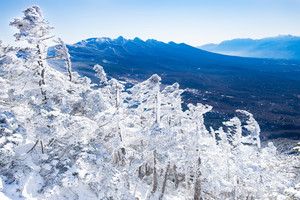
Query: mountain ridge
(267, 88)
(280, 47)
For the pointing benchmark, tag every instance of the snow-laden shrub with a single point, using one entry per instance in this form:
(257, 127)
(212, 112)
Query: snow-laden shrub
(11, 135)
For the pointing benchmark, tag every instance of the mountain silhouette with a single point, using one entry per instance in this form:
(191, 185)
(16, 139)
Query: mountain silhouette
(280, 47)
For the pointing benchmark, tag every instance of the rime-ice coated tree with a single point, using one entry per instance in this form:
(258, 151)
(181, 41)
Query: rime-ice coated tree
(100, 73)
(294, 192)
(145, 98)
(171, 104)
(63, 53)
(253, 128)
(35, 30)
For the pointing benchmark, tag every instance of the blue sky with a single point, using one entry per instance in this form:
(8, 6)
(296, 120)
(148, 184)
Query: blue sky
(194, 22)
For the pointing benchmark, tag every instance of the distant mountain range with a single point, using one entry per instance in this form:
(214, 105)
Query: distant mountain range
(280, 47)
(270, 89)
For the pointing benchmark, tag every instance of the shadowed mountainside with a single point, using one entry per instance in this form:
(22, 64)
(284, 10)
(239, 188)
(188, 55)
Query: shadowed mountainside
(270, 89)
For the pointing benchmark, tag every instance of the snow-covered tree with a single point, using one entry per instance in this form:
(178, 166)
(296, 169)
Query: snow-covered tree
(62, 52)
(35, 30)
(100, 73)
(294, 192)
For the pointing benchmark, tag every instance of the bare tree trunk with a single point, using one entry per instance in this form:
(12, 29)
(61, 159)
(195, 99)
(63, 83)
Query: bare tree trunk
(69, 68)
(123, 153)
(187, 179)
(117, 96)
(175, 176)
(154, 173)
(42, 146)
(33, 146)
(165, 182)
(197, 184)
(41, 73)
(120, 131)
(116, 157)
(140, 172)
(157, 109)
(147, 169)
